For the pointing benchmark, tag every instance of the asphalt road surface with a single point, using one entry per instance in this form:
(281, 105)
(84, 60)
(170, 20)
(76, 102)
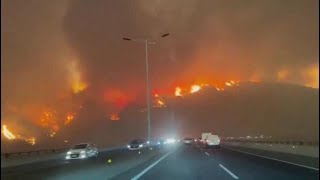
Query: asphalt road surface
(172, 162)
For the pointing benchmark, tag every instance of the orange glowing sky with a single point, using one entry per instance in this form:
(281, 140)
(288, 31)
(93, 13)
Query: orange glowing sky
(49, 53)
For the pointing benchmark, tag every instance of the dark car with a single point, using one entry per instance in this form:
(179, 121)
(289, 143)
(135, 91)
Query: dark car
(137, 144)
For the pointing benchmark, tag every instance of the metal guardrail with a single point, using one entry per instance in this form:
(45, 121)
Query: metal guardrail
(289, 142)
(8, 155)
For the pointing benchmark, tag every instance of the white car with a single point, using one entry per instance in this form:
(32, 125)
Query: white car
(82, 151)
(187, 140)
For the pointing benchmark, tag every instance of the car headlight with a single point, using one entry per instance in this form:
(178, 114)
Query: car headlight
(83, 156)
(140, 145)
(159, 143)
(82, 152)
(69, 152)
(128, 146)
(171, 141)
(148, 142)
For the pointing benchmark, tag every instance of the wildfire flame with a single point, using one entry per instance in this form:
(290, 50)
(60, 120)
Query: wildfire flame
(52, 134)
(77, 84)
(178, 91)
(114, 117)
(5, 131)
(48, 120)
(219, 89)
(161, 103)
(232, 83)
(195, 88)
(78, 87)
(70, 117)
(10, 136)
(228, 84)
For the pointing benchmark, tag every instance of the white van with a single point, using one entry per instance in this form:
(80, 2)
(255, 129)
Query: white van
(213, 141)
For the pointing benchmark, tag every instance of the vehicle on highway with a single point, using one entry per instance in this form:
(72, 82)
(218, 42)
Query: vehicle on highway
(137, 144)
(172, 141)
(187, 140)
(212, 141)
(197, 140)
(204, 136)
(161, 142)
(82, 151)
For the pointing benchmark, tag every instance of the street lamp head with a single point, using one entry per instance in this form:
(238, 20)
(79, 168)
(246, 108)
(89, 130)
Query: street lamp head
(165, 35)
(126, 39)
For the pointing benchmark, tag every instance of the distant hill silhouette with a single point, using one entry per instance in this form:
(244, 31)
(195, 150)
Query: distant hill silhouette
(283, 111)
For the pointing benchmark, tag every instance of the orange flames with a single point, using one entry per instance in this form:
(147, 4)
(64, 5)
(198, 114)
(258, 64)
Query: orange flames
(158, 101)
(48, 120)
(161, 103)
(7, 133)
(195, 88)
(75, 76)
(70, 117)
(114, 117)
(232, 83)
(10, 136)
(178, 91)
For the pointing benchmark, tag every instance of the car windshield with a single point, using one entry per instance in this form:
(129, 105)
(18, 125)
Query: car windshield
(80, 146)
(136, 141)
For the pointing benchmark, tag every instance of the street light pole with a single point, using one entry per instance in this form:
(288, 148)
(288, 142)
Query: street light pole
(148, 91)
(146, 42)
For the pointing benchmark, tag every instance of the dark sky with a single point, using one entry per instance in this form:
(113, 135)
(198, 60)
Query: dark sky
(49, 45)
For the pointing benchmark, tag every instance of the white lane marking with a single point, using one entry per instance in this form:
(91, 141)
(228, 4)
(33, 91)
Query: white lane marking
(229, 172)
(309, 167)
(207, 154)
(151, 166)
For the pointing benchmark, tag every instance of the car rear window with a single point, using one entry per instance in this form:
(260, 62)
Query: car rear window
(136, 141)
(80, 146)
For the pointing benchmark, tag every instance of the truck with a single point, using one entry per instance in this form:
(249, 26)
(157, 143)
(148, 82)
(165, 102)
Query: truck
(210, 140)
(204, 136)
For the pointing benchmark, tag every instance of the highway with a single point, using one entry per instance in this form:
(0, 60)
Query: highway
(171, 162)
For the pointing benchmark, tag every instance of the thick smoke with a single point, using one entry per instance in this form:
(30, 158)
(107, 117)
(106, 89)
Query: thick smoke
(210, 41)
